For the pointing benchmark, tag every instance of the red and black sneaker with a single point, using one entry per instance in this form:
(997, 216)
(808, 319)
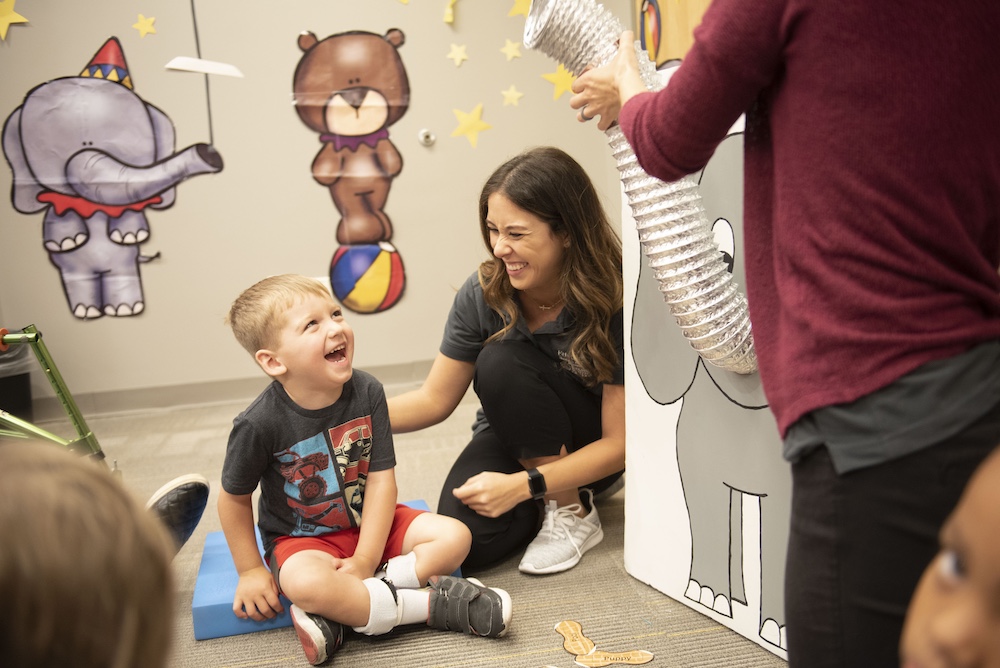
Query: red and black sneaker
(319, 636)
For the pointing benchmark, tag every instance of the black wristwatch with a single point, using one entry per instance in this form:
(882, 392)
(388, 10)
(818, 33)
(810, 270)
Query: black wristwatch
(536, 484)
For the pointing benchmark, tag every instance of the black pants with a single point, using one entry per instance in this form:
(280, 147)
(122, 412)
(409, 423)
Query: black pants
(533, 408)
(860, 541)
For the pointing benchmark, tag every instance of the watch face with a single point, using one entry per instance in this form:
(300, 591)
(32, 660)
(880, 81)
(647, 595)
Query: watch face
(536, 483)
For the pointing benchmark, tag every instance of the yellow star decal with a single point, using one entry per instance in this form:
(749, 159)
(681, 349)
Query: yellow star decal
(8, 16)
(520, 7)
(457, 54)
(563, 80)
(405, 2)
(511, 49)
(144, 25)
(511, 96)
(470, 124)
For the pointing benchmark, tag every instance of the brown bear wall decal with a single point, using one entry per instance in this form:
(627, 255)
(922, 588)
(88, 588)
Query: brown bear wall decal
(349, 88)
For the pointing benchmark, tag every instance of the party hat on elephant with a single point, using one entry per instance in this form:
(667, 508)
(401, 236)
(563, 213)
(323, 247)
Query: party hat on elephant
(109, 63)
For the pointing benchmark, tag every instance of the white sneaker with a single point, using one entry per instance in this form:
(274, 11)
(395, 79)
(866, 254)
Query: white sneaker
(563, 538)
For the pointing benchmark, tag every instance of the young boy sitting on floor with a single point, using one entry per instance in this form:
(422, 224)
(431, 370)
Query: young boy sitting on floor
(318, 443)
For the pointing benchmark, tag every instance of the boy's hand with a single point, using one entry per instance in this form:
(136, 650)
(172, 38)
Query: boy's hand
(359, 566)
(257, 596)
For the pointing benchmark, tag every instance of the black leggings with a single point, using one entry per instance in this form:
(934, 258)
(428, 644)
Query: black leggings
(533, 408)
(860, 541)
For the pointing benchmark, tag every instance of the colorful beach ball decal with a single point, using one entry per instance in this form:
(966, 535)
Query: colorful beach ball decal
(367, 278)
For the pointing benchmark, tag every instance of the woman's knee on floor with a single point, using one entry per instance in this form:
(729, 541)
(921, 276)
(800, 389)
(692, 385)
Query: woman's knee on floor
(494, 540)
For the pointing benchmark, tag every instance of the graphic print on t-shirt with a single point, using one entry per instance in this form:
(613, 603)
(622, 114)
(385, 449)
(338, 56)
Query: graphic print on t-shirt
(325, 479)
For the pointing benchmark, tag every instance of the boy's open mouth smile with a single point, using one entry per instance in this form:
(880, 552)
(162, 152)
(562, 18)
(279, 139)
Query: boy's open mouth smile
(338, 354)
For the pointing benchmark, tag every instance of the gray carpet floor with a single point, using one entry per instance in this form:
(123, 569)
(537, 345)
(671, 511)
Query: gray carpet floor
(616, 611)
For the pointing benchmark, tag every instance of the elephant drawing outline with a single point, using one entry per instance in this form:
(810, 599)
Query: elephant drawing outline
(92, 155)
(728, 447)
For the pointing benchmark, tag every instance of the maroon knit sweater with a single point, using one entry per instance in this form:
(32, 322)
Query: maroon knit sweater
(872, 180)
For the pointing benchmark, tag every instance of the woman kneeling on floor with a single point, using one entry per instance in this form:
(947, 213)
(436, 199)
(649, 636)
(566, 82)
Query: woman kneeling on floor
(538, 330)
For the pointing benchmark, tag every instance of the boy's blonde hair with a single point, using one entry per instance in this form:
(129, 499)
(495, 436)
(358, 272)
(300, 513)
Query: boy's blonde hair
(256, 315)
(85, 569)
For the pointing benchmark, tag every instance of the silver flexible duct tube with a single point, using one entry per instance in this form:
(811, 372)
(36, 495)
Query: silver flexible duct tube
(674, 231)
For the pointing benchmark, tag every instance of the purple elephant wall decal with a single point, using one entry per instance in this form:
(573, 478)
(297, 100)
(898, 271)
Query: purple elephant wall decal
(94, 156)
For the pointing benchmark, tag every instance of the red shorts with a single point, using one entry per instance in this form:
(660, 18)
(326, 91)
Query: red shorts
(341, 544)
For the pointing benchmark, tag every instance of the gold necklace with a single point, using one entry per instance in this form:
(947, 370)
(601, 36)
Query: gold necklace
(547, 307)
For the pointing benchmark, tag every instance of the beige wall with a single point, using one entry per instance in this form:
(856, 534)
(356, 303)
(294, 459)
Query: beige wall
(263, 214)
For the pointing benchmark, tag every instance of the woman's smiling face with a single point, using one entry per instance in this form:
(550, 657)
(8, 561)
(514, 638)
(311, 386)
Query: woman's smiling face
(531, 252)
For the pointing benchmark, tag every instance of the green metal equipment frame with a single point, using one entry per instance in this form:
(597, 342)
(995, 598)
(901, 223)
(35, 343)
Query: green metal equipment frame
(12, 426)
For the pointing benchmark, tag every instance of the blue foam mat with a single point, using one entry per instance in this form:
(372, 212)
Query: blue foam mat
(212, 604)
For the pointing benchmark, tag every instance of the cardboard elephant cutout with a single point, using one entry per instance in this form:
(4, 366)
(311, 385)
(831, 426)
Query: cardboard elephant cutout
(728, 447)
(94, 156)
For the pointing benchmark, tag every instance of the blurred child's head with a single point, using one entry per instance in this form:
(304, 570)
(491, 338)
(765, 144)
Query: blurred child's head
(84, 567)
(298, 335)
(954, 617)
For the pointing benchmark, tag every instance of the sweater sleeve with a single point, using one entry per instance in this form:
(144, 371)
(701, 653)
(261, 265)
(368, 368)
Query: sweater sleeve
(736, 55)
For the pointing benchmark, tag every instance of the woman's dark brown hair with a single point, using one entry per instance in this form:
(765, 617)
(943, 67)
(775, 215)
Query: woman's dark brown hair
(549, 184)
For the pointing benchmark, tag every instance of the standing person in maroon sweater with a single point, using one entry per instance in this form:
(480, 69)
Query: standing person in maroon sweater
(872, 238)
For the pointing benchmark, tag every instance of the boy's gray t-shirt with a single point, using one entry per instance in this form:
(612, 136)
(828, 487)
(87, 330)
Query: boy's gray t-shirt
(311, 465)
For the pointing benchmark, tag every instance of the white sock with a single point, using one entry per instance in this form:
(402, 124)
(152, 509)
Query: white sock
(414, 605)
(401, 571)
(384, 614)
